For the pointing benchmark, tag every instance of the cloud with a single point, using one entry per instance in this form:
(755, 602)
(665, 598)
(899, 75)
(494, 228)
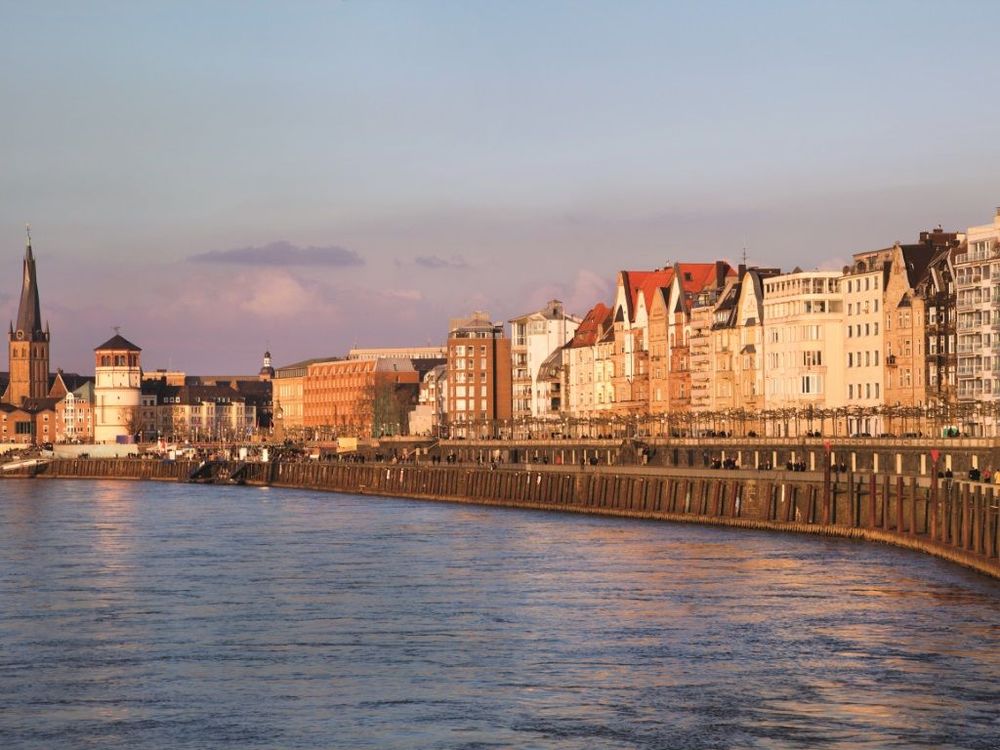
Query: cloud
(282, 253)
(435, 262)
(587, 289)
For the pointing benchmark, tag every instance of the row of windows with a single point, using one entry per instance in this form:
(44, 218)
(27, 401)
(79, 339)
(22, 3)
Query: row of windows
(862, 390)
(863, 359)
(855, 331)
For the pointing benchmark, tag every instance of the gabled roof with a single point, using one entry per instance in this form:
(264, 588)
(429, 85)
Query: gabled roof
(593, 324)
(644, 284)
(117, 342)
(916, 259)
(692, 278)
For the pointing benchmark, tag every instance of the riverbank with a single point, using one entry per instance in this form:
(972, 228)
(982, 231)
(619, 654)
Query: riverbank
(955, 521)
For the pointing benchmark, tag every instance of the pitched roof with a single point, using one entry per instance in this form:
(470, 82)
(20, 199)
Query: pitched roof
(693, 278)
(916, 259)
(118, 342)
(589, 330)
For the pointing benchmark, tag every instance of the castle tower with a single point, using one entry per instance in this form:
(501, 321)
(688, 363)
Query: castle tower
(28, 347)
(117, 390)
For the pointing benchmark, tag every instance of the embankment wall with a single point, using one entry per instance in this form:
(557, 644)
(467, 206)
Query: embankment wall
(955, 520)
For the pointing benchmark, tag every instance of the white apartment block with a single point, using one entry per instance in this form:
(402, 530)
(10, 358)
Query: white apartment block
(977, 285)
(803, 349)
(533, 339)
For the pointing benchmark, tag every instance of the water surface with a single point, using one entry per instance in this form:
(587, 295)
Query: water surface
(144, 615)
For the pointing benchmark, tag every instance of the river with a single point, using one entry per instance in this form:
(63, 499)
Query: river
(147, 615)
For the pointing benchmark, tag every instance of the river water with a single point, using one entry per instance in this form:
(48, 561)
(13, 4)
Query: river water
(144, 615)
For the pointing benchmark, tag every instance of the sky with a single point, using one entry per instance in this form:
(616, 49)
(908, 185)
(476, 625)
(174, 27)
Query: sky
(220, 178)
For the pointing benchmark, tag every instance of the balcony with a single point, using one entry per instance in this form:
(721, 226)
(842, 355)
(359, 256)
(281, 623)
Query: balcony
(890, 361)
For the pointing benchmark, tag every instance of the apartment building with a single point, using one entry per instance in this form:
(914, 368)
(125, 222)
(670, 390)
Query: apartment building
(977, 329)
(803, 344)
(479, 372)
(533, 339)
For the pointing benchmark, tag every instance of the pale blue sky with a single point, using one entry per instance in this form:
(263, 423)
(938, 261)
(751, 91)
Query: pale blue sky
(467, 154)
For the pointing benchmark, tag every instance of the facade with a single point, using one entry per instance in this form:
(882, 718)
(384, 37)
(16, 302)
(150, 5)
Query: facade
(479, 372)
(533, 339)
(585, 369)
(700, 346)
(977, 289)
(863, 288)
(288, 395)
(803, 344)
(675, 289)
(937, 291)
(194, 413)
(361, 397)
(117, 389)
(74, 413)
(737, 343)
(429, 415)
(906, 319)
(400, 352)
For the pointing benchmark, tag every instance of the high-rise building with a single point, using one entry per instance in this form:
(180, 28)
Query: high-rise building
(977, 288)
(479, 370)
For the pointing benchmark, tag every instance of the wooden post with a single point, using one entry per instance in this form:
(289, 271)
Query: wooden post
(870, 521)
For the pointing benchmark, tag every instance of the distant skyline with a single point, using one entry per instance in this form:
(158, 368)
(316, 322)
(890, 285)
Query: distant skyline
(220, 178)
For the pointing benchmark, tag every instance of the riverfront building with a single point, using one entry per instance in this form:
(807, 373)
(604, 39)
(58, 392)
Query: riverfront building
(117, 389)
(937, 291)
(589, 366)
(479, 372)
(803, 344)
(534, 337)
(977, 286)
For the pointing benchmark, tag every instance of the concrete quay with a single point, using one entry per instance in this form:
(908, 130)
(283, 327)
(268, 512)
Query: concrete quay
(956, 520)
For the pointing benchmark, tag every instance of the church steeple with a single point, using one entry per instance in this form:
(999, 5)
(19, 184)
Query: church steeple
(29, 315)
(28, 347)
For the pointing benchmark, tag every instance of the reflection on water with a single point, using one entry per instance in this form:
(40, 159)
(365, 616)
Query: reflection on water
(153, 616)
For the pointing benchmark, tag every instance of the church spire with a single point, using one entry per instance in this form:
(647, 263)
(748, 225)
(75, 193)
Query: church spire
(29, 315)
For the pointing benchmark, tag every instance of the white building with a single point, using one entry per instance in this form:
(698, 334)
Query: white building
(430, 413)
(977, 328)
(803, 344)
(117, 391)
(863, 288)
(534, 337)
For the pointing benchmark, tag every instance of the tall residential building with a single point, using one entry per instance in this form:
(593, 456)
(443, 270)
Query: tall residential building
(977, 288)
(863, 288)
(803, 344)
(533, 339)
(585, 365)
(738, 341)
(28, 342)
(672, 291)
(906, 318)
(479, 386)
(937, 290)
